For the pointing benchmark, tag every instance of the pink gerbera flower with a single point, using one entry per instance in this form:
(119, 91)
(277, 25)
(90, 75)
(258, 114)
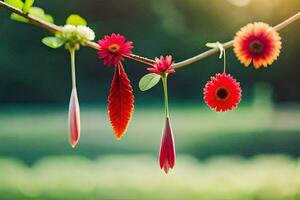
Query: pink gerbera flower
(162, 65)
(113, 49)
(222, 93)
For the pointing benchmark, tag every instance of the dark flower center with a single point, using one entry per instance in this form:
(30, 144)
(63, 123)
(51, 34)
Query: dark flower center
(256, 47)
(222, 93)
(114, 48)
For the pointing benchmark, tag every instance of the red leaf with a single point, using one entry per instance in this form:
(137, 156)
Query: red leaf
(120, 102)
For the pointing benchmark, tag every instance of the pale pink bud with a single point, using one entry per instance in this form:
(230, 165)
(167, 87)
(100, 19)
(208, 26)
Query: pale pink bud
(74, 119)
(167, 148)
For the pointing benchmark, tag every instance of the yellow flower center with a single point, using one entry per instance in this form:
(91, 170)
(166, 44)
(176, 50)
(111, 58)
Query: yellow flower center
(114, 48)
(256, 47)
(222, 94)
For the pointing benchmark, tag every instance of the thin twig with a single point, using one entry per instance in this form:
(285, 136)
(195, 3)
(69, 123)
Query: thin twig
(54, 28)
(137, 58)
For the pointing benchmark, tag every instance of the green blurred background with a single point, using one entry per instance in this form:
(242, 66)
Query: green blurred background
(247, 154)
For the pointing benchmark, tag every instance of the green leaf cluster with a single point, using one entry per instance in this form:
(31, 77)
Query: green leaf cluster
(27, 8)
(70, 40)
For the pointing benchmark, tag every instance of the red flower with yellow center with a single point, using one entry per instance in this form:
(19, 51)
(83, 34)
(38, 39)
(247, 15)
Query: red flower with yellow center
(257, 42)
(222, 93)
(113, 49)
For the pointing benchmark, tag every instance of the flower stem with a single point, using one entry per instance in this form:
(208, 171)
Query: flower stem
(224, 52)
(73, 68)
(287, 22)
(165, 86)
(141, 59)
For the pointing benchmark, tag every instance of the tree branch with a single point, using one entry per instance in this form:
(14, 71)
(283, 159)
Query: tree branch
(54, 28)
(230, 44)
(34, 20)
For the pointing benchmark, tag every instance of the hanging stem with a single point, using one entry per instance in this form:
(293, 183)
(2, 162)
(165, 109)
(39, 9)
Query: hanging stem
(224, 54)
(165, 86)
(73, 68)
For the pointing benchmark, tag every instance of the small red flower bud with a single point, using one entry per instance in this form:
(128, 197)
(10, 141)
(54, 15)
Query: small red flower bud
(162, 65)
(74, 119)
(167, 148)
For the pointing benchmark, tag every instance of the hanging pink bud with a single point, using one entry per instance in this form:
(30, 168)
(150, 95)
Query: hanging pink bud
(74, 119)
(167, 148)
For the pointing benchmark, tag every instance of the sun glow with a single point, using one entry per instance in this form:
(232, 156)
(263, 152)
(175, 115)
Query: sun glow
(239, 3)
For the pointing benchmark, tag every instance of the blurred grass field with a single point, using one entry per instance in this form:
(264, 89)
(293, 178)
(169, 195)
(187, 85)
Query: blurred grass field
(138, 177)
(247, 154)
(32, 132)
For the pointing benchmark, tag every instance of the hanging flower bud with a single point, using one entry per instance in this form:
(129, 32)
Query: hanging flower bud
(74, 119)
(167, 148)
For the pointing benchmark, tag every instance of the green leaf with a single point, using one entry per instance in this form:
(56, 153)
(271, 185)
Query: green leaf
(28, 4)
(15, 3)
(18, 18)
(40, 13)
(49, 18)
(37, 12)
(148, 81)
(53, 42)
(76, 20)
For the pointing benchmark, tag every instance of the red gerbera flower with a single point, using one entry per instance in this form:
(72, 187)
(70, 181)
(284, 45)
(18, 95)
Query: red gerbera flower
(222, 93)
(258, 42)
(162, 65)
(113, 49)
